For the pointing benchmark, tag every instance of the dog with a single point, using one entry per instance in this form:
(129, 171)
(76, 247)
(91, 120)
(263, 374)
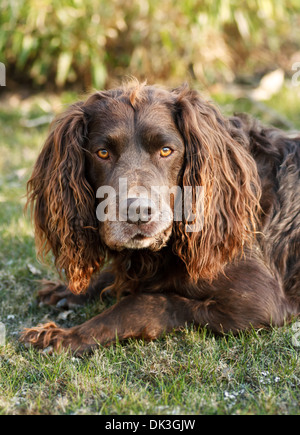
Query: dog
(238, 267)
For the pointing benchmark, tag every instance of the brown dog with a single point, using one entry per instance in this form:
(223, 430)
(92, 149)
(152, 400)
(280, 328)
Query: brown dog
(240, 269)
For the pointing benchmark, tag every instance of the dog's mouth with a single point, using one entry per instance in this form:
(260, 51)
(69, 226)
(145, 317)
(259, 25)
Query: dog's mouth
(140, 241)
(130, 237)
(140, 237)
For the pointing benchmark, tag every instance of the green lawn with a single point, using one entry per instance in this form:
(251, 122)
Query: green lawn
(188, 372)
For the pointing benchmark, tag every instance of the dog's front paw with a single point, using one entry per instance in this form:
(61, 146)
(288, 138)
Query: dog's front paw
(49, 337)
(46, 336)
(59, 295)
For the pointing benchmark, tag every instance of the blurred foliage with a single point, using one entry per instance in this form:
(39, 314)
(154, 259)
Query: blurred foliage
(54, 43)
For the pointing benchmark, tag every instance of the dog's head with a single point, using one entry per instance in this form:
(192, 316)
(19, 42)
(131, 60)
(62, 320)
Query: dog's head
(132, 168)
(134, 157)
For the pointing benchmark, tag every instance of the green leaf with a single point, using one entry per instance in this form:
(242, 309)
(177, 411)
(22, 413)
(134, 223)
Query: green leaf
(99, 73)
(63, 67)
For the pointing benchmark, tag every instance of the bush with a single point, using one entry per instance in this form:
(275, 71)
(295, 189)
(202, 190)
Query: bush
(54, 43)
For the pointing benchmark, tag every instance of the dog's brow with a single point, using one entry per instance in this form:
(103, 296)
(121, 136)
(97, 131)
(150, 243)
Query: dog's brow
(151, 136)
(115, 135)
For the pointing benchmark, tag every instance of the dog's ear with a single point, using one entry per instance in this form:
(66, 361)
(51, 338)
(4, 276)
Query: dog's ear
(63, 202)
(216, 158)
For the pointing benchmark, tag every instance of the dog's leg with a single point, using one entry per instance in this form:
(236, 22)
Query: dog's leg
(249, 296)
(145, 316)
(138, 316)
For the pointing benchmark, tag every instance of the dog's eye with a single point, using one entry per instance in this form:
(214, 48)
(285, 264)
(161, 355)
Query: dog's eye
(103, 154)
(165, 152)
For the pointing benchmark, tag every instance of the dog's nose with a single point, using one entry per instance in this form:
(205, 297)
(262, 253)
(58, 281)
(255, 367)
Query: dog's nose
(137, 210)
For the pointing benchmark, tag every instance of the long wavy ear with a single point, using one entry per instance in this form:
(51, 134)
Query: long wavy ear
(216, 158)
(63, 202)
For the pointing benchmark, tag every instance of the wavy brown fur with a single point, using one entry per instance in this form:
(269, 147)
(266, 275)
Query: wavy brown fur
(216, 158)
(61, 201)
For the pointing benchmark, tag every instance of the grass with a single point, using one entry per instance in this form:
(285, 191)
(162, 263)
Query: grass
(188, 372)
